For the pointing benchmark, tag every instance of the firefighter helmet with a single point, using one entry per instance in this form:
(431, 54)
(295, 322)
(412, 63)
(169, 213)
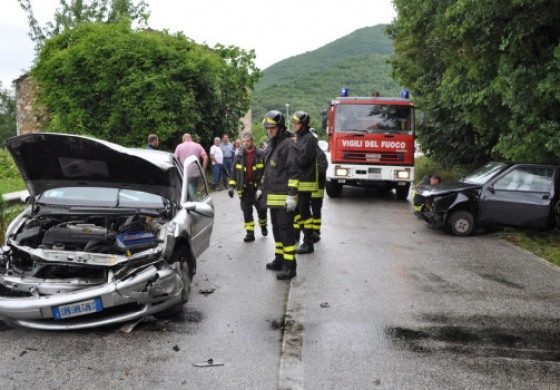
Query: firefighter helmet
(274, 118)
(301, 117)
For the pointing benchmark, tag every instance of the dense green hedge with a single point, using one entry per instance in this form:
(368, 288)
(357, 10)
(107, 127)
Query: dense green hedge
(11, 180)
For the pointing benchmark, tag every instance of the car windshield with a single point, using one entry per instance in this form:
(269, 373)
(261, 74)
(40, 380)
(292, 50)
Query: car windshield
(100, 197)
(484, 173)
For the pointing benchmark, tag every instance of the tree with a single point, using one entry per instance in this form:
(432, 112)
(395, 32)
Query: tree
(7, 114)
(115, 83)
(71, 14)
(484, 72)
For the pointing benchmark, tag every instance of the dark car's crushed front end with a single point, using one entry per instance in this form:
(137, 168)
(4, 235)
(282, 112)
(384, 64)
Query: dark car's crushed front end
(438, 201)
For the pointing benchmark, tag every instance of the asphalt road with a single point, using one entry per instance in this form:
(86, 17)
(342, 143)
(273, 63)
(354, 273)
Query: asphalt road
(383, 303)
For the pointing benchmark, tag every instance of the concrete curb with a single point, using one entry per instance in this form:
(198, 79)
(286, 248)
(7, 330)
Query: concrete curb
(13, 197)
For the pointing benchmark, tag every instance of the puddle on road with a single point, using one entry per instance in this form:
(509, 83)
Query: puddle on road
(482, 336)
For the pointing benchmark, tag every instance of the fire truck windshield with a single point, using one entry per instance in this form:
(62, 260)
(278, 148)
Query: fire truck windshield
(373, 118)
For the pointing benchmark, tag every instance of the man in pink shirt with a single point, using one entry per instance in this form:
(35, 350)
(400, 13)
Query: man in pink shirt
(191, 148)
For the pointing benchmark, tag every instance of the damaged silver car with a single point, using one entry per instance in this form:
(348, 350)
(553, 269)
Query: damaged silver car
(112, 234)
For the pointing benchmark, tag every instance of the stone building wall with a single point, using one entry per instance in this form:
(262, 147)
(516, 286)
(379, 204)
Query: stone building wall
(27, 120)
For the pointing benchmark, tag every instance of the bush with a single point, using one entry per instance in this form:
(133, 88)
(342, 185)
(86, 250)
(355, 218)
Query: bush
(425, 166)
(11, 179)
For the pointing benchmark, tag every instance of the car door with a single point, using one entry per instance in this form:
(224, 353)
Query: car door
(195, 192)
(521, 196)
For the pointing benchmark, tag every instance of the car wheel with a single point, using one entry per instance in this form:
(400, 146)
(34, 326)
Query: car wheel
(181, 257)
(402, 191)
(333, 189)
(461, 223)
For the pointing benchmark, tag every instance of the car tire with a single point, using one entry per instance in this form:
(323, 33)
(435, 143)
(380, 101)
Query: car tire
(461, 223)
(333, 189)
(402, 191)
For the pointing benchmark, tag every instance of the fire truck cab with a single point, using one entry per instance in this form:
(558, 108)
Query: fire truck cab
(371, 143)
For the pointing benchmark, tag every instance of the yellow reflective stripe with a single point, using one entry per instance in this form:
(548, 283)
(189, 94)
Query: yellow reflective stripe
(238, 166)
(319, 194)
(270, 121)
(291, 248)
(317, 224)
(279, 248)
(293, 183)
(276, 200)
(308, 224)
(308, 186)
(262, 222)
(259, 166)
(289, 257)
(232, 182)
(250, 226)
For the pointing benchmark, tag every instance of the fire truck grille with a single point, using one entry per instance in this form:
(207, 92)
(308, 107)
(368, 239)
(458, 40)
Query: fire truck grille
(387, 157)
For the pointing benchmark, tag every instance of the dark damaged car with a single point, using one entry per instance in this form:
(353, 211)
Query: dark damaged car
(524, 195)
(112, 234)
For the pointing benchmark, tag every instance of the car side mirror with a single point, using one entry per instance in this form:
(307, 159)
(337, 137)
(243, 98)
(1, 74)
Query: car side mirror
(491, 189)
(199, 208)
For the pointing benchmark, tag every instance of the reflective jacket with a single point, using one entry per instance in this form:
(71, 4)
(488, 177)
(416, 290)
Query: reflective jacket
(239, 175)
(322, 166)
(281, 170)
(307, 161)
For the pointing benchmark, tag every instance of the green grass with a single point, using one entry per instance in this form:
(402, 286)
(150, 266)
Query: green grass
(545, 244)
(10, 180)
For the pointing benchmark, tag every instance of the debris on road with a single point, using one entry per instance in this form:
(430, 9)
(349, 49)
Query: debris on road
(209, 363)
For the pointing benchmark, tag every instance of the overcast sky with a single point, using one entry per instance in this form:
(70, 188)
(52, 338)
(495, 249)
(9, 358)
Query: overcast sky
(274, 29)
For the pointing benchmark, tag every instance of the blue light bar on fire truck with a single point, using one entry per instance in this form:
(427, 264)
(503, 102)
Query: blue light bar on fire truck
(344, 92)
(405, 94)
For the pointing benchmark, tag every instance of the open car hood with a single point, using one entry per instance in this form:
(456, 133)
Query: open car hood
(51, 160)
(445, 188)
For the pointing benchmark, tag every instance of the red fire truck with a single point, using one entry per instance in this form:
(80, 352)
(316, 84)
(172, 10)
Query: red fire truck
(371, 143)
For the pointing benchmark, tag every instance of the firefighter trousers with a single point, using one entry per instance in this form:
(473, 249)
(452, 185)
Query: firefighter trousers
(248, 201)
(304, 207)
(316, 206)
(283, 231)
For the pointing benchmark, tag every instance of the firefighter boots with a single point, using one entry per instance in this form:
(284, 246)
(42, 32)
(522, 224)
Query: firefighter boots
(305, 248)
(264, 231)
(276, 264)
(288, 270)
(316, 237)
(249, 237)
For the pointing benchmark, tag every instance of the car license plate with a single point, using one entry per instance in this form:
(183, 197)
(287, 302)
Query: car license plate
(77, 309)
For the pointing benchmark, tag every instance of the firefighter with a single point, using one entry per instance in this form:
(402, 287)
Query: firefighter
(308, 180)
(317, 196)
(247, 174)
(280, 185)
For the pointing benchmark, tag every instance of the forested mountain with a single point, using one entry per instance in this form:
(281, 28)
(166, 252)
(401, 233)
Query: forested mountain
(308, 81)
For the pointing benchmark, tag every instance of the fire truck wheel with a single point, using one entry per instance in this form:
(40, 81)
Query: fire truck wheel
(333, 189)
(461, 223)
(402, 192)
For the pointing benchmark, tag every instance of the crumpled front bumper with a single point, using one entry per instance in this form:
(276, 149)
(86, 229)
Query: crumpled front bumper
(150, 290)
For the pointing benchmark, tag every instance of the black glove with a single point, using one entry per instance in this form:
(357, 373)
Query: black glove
(230, 192)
